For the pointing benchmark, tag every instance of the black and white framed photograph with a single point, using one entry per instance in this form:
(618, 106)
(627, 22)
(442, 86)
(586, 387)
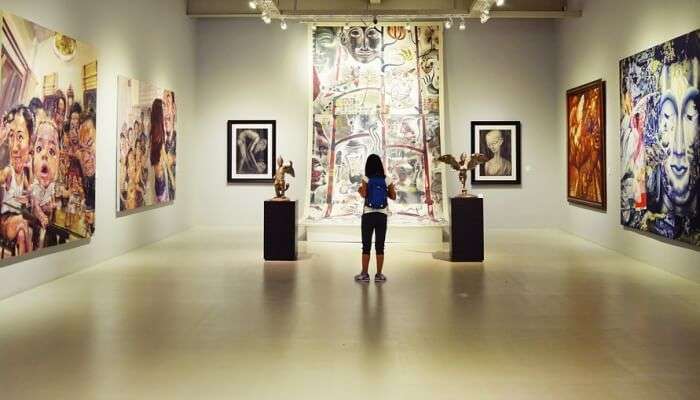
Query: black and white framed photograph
(500, 142)
(251, 151)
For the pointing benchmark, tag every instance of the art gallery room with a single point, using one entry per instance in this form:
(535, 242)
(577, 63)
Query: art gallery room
(351, 199)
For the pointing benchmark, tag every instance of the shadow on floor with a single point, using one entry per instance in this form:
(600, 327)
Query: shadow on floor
(442, 256)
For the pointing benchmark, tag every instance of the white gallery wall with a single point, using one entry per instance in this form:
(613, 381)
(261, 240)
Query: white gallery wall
(247, 71)
(590, 48)
(149, 40)
(502, 70)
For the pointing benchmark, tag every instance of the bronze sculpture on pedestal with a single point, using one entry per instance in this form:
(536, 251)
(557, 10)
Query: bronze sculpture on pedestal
(465, 164)
(281, 186)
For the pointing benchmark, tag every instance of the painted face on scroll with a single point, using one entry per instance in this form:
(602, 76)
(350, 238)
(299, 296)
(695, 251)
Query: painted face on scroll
(363, 43)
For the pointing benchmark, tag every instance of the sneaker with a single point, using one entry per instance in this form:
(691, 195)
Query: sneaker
(379, 278)
(362, 277)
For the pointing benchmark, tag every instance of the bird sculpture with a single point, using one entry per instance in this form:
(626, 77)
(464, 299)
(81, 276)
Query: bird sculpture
(465, 164)
(280, 184)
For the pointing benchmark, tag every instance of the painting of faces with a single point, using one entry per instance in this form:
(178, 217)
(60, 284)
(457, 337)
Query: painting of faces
(500, 142)
(146, 121)
(585, 108)
(251, 151)
(376, 90)
(660, 139)
(48, 94)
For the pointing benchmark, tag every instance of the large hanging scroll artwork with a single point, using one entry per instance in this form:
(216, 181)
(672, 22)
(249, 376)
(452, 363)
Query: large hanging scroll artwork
(376, 90)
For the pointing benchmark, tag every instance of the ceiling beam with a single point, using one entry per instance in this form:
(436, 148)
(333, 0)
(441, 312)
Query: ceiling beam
(425, 15)
(389, 10)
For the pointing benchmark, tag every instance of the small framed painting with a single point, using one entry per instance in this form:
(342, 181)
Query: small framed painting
(251, 151)
(585, 145)
(500, 142)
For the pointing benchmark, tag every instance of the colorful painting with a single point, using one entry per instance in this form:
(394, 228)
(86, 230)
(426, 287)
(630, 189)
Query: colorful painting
(660, 139)
(48, 95)
(585, 112)
(251, 151)
(146, 129)
(500, 142)
(376, 90)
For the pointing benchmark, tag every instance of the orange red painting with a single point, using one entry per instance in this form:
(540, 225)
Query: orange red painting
(585, 106)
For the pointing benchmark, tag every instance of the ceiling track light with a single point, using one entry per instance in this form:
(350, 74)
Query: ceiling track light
(500, 3)
(408, 25)
(268, 10)
(462, 25)
(283, 25)
(448, 23)
(485, 15)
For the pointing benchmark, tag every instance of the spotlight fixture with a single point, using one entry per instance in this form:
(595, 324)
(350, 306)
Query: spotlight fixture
(313, 27)
(462, 25)
(408, 25)
(267, 8)
(500, 3)
(283, 25)
(485, 15)
(375, 20)
(448, 24)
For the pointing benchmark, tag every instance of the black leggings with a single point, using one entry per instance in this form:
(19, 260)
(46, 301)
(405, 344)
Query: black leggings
(373, 222)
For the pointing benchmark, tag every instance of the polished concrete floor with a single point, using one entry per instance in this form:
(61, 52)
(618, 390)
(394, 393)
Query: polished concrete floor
(201, 316)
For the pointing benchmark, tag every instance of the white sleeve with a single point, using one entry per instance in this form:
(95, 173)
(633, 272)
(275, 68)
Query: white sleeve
(36, 190)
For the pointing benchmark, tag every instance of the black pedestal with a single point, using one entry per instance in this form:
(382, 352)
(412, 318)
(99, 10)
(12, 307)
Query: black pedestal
(280, 235)
(467, 242)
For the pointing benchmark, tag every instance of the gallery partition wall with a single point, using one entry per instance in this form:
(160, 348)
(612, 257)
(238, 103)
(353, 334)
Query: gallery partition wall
(650, 73)
(477, 83)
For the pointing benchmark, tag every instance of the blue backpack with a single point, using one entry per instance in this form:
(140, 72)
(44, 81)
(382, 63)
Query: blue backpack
(376, 193)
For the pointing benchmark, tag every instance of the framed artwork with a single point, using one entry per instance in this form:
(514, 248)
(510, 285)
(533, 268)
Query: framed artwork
(660, 140)
(585, 145)
(47, 138)
(251, 151)
(500, 142)
(147, 136)
(375, 90)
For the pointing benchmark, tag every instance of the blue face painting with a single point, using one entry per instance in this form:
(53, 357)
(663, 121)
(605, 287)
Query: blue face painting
(660, 139)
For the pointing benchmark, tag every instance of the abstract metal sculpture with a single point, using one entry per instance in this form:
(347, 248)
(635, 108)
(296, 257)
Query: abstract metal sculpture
(280, 185)
(465, 164)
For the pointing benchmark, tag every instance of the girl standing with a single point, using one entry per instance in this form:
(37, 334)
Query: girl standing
(376, 187)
